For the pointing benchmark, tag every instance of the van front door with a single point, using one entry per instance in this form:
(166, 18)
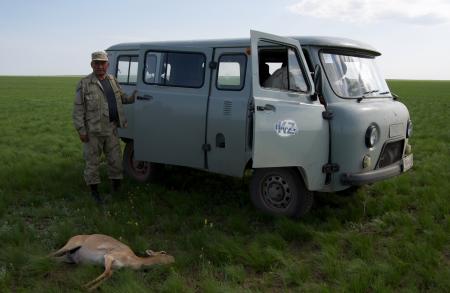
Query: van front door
(289, 130)
(171, 106)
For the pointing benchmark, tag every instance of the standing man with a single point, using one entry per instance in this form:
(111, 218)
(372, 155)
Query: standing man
(97, 113)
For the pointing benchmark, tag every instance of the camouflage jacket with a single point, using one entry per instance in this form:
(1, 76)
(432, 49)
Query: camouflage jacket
(90, 111)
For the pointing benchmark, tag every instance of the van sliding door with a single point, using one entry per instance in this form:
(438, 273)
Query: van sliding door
(228, 121)
(170, 111)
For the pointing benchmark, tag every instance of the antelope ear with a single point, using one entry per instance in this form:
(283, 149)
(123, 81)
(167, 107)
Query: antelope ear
(150, 252)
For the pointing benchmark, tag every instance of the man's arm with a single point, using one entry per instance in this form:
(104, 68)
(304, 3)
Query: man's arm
(79, 114)
(123, 96)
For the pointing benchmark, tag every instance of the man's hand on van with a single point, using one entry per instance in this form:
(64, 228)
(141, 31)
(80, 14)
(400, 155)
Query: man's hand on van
(132, 98)
(84, 137)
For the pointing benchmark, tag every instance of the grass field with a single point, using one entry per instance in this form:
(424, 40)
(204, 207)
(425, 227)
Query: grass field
(390, 236)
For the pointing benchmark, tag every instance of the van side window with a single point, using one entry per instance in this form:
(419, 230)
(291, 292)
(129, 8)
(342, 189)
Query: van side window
(175, 69)
(127, 69)
(231, 72)
(280, 68)
(297, 81)
(150, 72)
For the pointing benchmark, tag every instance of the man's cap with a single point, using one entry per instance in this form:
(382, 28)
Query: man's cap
(99, 56)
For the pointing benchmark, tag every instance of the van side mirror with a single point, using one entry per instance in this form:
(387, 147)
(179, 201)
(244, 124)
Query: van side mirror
(317, 77)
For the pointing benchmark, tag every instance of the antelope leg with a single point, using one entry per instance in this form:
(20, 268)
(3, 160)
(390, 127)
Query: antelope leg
(74, 243)
(64, 250)
(104, 276)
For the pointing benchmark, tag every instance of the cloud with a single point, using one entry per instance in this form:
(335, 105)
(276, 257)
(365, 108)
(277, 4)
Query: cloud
(421, 12)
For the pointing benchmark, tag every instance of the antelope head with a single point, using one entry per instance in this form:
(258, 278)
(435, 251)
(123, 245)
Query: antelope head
(160, 257)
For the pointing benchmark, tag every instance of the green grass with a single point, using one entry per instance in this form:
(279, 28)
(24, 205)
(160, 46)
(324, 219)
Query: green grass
(390, 236)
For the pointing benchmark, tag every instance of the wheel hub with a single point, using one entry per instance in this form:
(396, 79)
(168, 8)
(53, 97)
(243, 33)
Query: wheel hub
(139, 167)
(276, 192)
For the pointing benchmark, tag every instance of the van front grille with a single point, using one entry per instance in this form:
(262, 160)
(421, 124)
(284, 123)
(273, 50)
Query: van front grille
(392, 152)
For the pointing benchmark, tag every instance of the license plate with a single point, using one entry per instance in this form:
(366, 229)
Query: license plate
(407, 163)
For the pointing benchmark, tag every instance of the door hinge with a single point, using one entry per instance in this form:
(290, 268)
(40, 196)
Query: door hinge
(330, 168)
(327, 115)
(213, 64)
(251, 108)
(206, 147)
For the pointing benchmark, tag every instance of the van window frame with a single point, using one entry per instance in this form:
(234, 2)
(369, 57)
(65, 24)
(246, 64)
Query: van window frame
(303, 67)
(244, 72)
(179, 52)
(129, 67)
(361, 53)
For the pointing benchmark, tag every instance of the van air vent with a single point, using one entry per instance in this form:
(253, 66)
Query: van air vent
(227, 108)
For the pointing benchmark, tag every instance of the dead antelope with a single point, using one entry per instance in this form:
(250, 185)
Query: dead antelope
(105, 250)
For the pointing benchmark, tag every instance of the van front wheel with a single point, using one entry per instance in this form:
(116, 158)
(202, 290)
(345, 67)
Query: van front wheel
(280, 191)
(139, 171)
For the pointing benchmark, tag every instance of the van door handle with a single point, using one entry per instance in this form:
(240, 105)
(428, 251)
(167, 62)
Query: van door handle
(266, 107)
(145, 98)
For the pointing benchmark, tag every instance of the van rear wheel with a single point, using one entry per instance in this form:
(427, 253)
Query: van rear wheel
(139, 171)
(280, 191)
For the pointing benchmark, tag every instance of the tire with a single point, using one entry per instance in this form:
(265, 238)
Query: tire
(280, 192)
(139, 171)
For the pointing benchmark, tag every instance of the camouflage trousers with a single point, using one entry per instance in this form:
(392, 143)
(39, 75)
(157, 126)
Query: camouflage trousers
(92, 150)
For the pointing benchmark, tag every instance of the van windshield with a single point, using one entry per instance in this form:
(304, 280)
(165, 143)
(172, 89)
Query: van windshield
(354, 76)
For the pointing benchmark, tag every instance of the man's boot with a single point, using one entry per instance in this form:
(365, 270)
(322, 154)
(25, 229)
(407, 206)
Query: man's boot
(95, 194)
(116, 185)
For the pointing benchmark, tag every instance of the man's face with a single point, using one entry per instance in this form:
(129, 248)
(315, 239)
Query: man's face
(100, 68)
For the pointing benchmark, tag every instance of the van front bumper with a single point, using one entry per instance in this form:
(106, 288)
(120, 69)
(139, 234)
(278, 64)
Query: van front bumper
(392, 170)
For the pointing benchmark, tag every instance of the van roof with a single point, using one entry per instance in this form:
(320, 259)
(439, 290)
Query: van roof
(331, 42)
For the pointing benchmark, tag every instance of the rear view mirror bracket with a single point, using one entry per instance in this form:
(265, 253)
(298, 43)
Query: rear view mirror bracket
(317, 77)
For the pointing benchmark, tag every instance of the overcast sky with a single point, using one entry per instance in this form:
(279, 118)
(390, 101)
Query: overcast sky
(51, 37)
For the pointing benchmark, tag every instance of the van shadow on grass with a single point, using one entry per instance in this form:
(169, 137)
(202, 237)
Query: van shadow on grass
(338, 206)
(216, 188)
(213, 190)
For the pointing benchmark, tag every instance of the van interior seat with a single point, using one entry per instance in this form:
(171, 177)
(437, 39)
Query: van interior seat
(264, 72)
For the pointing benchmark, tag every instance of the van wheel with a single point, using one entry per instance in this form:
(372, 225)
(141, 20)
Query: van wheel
(280, 191)
(139, 171)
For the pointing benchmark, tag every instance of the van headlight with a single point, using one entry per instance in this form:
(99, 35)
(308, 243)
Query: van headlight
(372, 136)
(409, 129)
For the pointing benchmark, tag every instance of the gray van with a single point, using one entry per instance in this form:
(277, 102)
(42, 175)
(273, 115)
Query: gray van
(305, 114)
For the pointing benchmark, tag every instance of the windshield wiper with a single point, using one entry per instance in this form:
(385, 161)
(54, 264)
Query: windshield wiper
(371, 92)
(360, 98)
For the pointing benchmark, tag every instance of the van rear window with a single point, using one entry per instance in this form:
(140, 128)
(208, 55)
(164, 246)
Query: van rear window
(175, 69)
